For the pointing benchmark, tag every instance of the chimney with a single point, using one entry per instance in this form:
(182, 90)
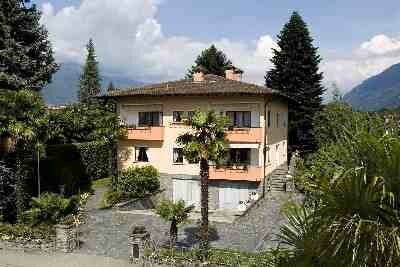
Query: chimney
(233, 73)
(198, 75)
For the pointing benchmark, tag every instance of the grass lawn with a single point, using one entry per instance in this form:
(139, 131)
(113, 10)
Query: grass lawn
(101, 183)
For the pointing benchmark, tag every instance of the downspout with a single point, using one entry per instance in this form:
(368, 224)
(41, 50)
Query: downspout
(265, 146)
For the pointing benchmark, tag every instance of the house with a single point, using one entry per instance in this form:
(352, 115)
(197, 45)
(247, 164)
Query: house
(257, 138)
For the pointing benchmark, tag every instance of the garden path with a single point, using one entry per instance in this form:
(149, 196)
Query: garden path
(106, 231)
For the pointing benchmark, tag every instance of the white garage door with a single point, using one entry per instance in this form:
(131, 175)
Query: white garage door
(188, 190)
(231, 193)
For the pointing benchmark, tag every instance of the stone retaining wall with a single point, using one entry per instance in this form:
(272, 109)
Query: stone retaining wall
(44, 246)
(65, 241)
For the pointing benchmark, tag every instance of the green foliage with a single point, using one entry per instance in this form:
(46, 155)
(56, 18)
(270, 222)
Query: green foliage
(7, 193)
(226, 257)
(138, 181)
(352, 215)
(63, 166)
(50, 208)
(26, 59)
(26, 232)
(90, 81)
(102, 183)
(112, 197)
(23, 120)
(208, 138)
(22, 115)
(212, 61)
(85, 123)
(176, 213)
(171, 211)
(296, 74)
(206, 142)
(96, 157)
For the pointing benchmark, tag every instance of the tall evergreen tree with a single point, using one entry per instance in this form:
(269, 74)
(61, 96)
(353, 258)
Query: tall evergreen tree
(90, 81)
(110, 87)
(26, 56)
(296, 74)
(212, 61)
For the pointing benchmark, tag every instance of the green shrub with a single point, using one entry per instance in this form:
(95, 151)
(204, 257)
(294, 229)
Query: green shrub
(110, 198)
(96, 157)
(226, 257)
(138, 181)
(50, 208)
(26, 232)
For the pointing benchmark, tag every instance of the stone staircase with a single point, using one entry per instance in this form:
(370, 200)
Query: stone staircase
(277, 179)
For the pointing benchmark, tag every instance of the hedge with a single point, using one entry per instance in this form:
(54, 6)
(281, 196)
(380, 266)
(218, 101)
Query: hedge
(97, 158)
(75, 166)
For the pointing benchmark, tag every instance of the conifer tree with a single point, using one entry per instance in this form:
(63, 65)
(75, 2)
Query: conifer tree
(296, 74)
(90, 81)
(212, 61)
(26, 56)
(110, 87)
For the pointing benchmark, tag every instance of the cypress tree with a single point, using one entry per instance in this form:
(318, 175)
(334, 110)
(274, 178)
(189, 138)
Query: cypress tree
(110, 87)
(90, 81)
(26, 56)
(296, 74)
(212, 61)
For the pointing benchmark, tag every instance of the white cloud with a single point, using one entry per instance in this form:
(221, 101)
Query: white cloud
(369, 58)
(129, 39)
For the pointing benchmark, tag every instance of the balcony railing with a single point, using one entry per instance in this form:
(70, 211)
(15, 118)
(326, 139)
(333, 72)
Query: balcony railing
(239, 173)
(149, 133)
(244, 135)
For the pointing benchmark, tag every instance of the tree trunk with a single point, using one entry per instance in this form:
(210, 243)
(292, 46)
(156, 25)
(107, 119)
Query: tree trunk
(173, 233)
(20, 184)
(204, 208)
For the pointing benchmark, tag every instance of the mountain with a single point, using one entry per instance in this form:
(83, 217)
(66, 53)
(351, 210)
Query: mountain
(377, 92)
(65, 84)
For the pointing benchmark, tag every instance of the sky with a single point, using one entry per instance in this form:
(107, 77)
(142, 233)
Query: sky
(157, 40)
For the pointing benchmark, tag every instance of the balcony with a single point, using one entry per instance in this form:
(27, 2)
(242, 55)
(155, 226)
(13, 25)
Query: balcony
(242, 173)
(245, 135)
(148, 133)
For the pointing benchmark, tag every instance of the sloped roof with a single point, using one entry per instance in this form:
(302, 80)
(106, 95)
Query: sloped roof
(212, 85)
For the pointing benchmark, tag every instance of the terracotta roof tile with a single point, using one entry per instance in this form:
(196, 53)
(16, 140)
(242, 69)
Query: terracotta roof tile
(212, 85)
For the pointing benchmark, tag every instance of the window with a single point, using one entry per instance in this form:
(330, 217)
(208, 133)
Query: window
(239, 156)
(178, 155)
(285, 120)
(278, 117)
(239, 118)
(179, 116)
(141, 154)
(269, 118)
(150, 118)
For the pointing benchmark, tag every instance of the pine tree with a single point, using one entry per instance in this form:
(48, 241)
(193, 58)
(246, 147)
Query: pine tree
(296, 74)
(90, 81)
(110, 87)
(26, 56)
(212, 61)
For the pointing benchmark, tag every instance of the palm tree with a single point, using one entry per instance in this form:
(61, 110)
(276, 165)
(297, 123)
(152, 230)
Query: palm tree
(355, 217)
(205, 143)
(23, 119)
(176, 213)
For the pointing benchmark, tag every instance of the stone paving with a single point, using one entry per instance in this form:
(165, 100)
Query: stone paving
(106, 232)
